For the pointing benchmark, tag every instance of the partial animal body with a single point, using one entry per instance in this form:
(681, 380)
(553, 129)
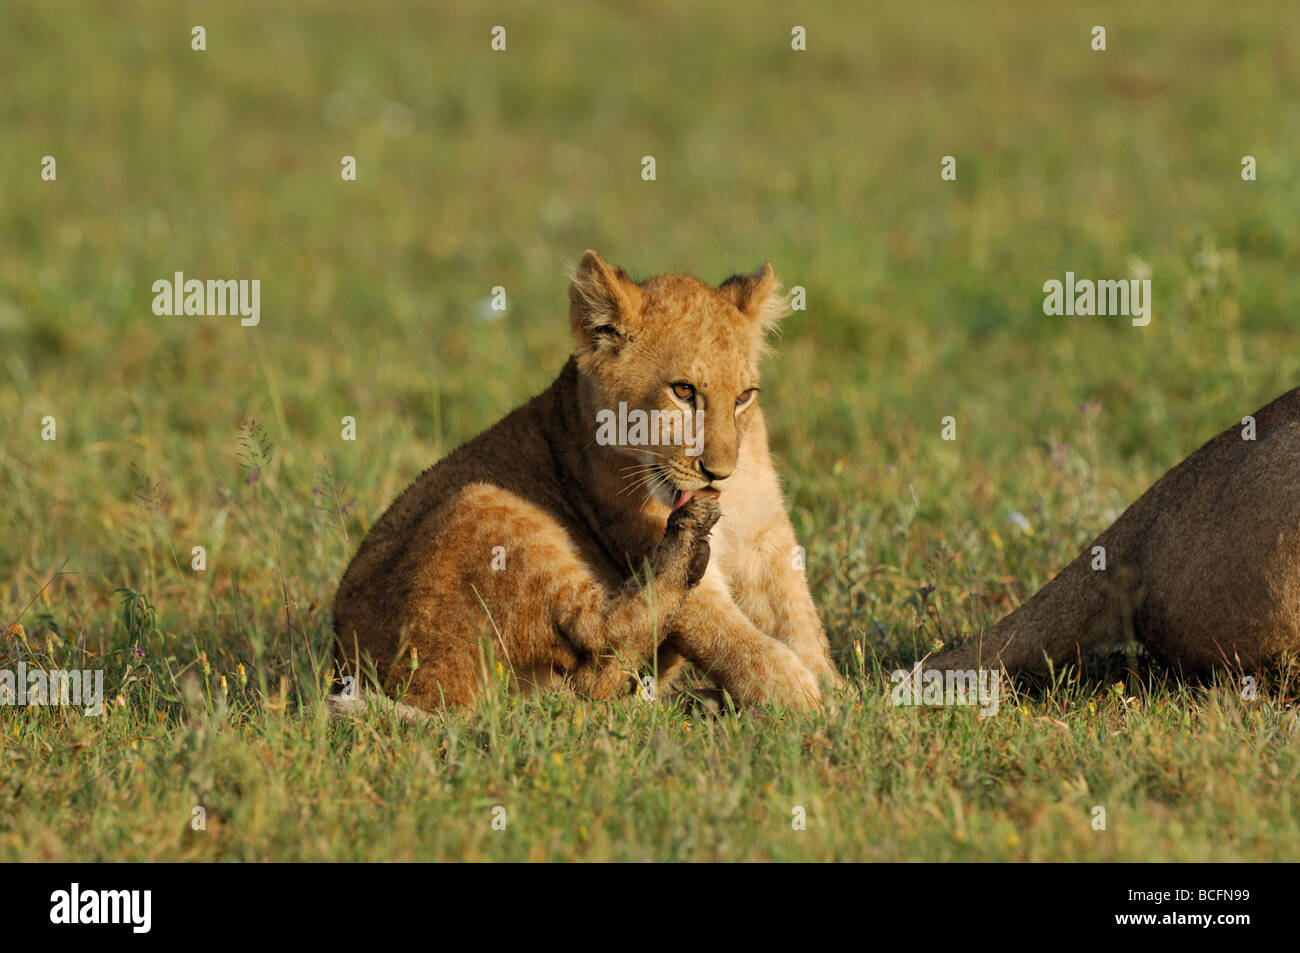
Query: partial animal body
(574, 553)
(1204, 569)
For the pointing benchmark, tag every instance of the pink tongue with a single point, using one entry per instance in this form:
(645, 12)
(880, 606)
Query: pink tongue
(685, 496)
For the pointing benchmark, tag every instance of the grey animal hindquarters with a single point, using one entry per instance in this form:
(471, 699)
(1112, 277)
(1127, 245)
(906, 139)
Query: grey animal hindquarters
(1204, 569)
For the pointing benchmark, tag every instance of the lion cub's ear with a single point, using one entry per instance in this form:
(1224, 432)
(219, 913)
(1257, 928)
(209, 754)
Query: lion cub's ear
(757, 295)
(604, 304)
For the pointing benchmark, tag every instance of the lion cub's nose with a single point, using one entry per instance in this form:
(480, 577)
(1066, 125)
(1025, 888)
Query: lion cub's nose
(715, 471)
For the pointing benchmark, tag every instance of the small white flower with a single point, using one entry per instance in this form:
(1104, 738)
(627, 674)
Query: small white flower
(1137, 268)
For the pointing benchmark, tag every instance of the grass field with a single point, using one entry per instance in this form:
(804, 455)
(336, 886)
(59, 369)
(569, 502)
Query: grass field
(478, 169)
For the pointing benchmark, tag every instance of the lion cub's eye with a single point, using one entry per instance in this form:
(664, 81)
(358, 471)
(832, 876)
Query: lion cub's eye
(684, 392)
(746, 397)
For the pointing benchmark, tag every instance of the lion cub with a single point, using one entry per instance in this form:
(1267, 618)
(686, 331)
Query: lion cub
(571, 541)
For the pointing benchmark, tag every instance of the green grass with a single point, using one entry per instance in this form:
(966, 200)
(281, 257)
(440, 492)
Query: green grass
(480, 169)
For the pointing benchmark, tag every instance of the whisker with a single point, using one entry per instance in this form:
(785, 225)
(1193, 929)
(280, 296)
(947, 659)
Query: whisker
(650, 496)
(641, 469)
(643, 481)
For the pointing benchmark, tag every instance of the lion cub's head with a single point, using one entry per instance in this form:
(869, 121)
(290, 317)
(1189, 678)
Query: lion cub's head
(670, 367)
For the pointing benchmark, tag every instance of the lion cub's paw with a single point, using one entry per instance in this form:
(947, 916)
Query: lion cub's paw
(699, 562)
(793, 686)
(698, 514)
(692, 523)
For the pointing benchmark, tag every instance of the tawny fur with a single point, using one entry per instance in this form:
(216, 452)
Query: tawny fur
(600, 585)
(1204, 569)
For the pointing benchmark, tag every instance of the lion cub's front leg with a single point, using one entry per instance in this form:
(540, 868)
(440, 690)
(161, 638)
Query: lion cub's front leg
(768, 584)
(752, 625)
(622, 633)
(754, 668)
